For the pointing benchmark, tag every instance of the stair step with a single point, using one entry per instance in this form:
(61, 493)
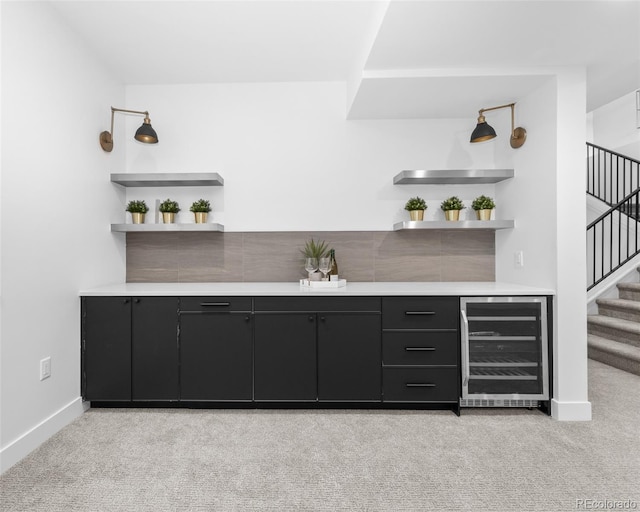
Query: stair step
(629, 291)
(620, 308)
(616, 354)
(624, 331)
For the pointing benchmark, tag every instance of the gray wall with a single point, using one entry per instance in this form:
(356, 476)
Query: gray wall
(426, 255)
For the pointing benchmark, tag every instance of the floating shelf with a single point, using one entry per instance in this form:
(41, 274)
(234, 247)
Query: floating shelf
(147, 228)
(452, 177)
(461, 224)
(168, 179)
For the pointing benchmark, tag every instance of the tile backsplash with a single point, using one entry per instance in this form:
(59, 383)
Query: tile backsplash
(424, 255)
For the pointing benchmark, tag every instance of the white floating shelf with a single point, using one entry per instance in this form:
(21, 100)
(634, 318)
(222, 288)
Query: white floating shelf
(148, 228)
(168, 179)
(450, 224)
(452, 177)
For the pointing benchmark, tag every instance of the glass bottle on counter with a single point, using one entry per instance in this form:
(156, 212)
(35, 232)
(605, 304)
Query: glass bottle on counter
(333, 273)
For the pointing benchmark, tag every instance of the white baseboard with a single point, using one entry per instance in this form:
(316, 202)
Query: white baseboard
(570, 411)
(19, 448)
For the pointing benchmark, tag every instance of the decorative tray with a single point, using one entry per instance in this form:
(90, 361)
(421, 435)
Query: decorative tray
(323, 284)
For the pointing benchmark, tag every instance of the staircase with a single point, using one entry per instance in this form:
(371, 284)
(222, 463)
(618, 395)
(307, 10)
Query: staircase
(613, 240)
(614, 333)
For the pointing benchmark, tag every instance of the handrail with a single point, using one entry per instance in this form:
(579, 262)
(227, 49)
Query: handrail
(612, 152)
(616, 206)
(610, 175)
(613, 238)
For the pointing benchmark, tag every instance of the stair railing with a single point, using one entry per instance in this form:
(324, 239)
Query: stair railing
(611, 176)
(614, 237)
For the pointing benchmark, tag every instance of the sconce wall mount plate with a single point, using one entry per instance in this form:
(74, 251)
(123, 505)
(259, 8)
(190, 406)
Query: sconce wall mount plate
(145, 133)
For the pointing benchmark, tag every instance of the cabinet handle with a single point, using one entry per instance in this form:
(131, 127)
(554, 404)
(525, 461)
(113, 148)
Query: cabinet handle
(419, 349)
(247, 318)
(420, 385)
(137, 301)
(424, 313)
(215, 303)
(322, 318)
(310, 318)
(125, 301)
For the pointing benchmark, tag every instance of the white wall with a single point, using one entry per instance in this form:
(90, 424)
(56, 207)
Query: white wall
(615, 126)
(291, 161)
(56, 206)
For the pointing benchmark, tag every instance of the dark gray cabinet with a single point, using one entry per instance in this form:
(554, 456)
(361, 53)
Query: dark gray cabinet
(420, 348)
(216, 349)
(106, 348)
(154, 349)
(129, 348)
(349, 357)
(317, 348)
(270, 350)
(285, 356)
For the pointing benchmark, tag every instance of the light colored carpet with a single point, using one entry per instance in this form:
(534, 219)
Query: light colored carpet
(219, 460)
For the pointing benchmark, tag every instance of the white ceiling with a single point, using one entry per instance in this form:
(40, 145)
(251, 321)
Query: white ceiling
(411, 60)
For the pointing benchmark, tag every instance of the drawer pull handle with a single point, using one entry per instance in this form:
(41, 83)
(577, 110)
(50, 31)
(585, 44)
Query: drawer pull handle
(215, 303)
(419, 349)
(423, 313)
(420, 385)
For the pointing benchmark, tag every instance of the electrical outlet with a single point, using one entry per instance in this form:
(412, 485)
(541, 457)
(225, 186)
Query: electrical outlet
(45, 368)
(519, 259)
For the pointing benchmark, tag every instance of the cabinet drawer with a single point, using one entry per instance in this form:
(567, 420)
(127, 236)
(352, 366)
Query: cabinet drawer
(420, 384)
(415, 348)
(420, 312)
(317, 304)
(215, 304)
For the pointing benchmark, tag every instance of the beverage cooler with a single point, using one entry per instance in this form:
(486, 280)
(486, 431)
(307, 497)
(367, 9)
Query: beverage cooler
(505, 353)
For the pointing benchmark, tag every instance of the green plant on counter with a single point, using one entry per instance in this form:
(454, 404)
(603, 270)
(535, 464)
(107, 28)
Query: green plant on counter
(201, 205)
(169, 206)
(483, 203)
(452, 203)
(415, 203)
(313, 249)
(137, 206)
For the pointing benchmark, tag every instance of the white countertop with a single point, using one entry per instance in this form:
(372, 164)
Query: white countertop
(295, 289)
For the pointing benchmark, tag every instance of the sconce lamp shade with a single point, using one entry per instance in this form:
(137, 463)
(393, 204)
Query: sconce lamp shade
(484, 132)
(145, 133)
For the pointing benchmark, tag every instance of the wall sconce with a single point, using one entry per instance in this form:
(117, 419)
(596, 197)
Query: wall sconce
(485, 132)
(144, 134)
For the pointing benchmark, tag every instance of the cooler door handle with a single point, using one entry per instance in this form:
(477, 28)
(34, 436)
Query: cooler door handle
(466, 372)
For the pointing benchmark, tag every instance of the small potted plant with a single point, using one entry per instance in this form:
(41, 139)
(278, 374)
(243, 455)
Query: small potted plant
(451, 208)
(200, 209)
(315, 250)
(137, 208)
(483, 206)
(169, 209)
(416, 207)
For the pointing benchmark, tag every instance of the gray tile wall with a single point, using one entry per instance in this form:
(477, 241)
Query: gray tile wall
(437, 255)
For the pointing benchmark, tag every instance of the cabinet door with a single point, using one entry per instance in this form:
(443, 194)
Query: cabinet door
(349, 357)
(155, 348)
(106, 354)
(285, 357)
(216, 356)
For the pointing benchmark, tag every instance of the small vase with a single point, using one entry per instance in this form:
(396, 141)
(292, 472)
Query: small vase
(201, 217)
(484, 214)
(137, 218)
(416, 214)
(452, 214)
(168, 217)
